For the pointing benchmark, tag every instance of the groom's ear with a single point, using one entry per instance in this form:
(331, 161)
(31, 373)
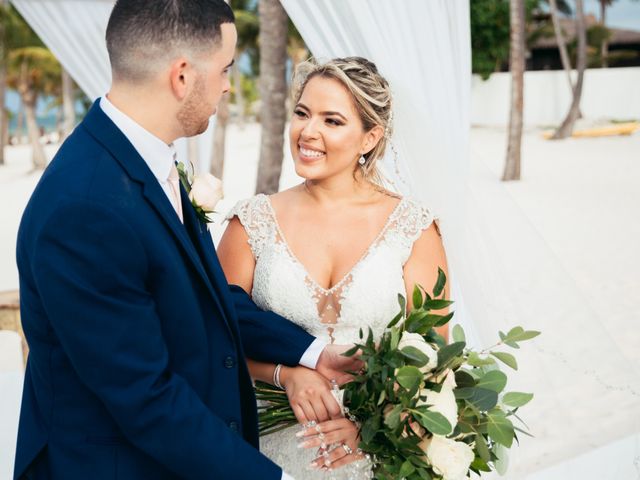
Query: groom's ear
(178, 76)
(371, 139)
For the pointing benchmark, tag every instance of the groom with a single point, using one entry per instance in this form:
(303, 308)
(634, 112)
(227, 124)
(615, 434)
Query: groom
(137, 343)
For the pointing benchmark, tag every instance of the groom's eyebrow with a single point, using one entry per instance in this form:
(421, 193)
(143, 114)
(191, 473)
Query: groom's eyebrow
(230, 64)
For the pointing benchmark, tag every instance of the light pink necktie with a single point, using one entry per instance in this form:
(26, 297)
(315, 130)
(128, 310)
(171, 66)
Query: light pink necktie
(174, 184)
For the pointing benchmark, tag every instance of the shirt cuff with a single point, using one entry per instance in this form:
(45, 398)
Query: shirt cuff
(286, 477)
(312, 354)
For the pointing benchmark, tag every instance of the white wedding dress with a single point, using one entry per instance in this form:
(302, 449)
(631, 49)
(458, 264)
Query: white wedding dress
(365, 297)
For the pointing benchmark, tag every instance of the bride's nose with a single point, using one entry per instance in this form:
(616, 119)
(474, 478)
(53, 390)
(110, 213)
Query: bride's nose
(310, 129)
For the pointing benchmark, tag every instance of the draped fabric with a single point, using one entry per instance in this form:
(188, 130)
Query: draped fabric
(504, 274)
(74, 31)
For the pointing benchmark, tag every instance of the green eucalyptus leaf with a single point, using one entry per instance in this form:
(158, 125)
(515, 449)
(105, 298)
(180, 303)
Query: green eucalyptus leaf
(500, 428)
(476, 361)
(507, 359)
(395, 320)
(440, 283)
(516, 399)
(417, 297)
(435, 422)
(464, 379)
(436, 304)
(403, 303)
(444, 319)
(392, 419)
(395, 338)
(494, 380)
(482, 398)
(409, 377)
(406, 469)
(482, 448)
(457, 333)
(417, 358)
(449, 352)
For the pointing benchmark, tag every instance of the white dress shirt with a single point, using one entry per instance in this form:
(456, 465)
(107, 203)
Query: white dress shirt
(159, 157)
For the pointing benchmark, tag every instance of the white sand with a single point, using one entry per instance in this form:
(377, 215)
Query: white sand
(581, 195)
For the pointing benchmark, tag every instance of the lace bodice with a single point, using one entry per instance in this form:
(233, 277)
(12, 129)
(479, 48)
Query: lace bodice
(367, 296)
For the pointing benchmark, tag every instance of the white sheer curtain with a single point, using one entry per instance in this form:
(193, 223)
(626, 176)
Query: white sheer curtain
(74, 30)
(587, 390)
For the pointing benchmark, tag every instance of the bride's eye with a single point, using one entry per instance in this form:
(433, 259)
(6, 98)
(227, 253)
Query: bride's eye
(299, 113)
(333, 121)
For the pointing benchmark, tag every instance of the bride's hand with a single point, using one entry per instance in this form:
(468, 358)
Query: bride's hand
(309, 395)
(342, 433)
(333, 365)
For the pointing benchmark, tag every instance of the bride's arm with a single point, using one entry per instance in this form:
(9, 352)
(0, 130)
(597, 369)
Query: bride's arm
(308, 391)
(422, 267)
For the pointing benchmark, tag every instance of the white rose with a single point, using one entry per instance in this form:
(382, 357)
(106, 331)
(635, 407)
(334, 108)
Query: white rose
(443, 402)
(415, 340)
(206, 191)
(448, 458)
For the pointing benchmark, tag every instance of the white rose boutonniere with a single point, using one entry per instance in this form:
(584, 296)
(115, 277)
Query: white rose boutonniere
(204, 190)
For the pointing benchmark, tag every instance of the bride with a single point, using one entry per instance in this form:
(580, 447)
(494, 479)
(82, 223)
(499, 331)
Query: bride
(333, 253)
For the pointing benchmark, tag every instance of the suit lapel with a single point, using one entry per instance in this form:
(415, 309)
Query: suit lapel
(114, 141)
(201, 238)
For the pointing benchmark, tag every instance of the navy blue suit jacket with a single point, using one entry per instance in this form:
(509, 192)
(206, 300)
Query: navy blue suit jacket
(137, 343)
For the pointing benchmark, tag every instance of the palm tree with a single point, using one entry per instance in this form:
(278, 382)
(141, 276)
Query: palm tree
(517, 66)
(69, 113)
(566, 128)
(247, 27)
(4, 120)
(273, 92)
(33, 71)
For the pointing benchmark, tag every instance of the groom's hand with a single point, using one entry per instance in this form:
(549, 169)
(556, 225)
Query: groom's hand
(334, 366)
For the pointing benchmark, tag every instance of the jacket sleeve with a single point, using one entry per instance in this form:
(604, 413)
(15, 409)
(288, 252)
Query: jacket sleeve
(266, 336)
(91, 272)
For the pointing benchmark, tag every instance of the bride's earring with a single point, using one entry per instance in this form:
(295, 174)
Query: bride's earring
(362, 160)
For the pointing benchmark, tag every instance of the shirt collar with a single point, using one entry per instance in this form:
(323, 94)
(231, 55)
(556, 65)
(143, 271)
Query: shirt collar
(157, 155)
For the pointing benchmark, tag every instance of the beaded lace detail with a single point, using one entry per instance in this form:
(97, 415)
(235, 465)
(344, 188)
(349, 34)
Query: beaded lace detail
(367, 296)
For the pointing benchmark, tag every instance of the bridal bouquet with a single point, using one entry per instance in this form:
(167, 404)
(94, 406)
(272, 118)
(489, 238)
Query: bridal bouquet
(427, 410)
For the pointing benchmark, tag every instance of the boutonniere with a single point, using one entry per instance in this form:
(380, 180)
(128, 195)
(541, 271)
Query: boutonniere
(204, 190)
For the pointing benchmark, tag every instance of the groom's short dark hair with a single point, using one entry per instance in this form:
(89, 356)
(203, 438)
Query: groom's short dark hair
(144, 34)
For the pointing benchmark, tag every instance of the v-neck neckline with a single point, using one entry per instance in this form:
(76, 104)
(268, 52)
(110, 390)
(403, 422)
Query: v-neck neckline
(337, 285)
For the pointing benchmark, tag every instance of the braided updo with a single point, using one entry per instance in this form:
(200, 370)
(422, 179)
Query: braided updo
(369, 90)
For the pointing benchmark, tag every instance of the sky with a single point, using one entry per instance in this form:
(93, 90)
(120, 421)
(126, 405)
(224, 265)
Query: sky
(623, 14)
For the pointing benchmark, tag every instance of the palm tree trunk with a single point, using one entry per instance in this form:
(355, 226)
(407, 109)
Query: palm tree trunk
(39, 159)
(20, 124)
(562, 46)
(604, 48)
(273, 92)
(239, 95)
(219, 138)
(566, 128)
(69, 114)
(517, 66)
(29, 99)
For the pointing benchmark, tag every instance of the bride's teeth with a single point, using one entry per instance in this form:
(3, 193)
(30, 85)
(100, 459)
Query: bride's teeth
(310, 153)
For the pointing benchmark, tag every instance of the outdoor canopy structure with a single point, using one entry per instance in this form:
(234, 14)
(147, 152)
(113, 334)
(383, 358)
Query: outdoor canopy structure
(503, 272)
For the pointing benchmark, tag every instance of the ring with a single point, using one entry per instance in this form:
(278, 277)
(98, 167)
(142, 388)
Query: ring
(347, 449)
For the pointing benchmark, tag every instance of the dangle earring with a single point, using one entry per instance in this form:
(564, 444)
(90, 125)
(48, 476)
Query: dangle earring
(362, 160)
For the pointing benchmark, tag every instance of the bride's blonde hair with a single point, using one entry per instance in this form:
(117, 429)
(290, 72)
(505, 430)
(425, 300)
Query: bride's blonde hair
(369, 90)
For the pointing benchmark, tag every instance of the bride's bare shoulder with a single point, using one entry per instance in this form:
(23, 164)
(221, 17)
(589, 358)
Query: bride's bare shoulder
(286, 197)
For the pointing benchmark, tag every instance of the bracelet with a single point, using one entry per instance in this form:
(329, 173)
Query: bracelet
(276, 376)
